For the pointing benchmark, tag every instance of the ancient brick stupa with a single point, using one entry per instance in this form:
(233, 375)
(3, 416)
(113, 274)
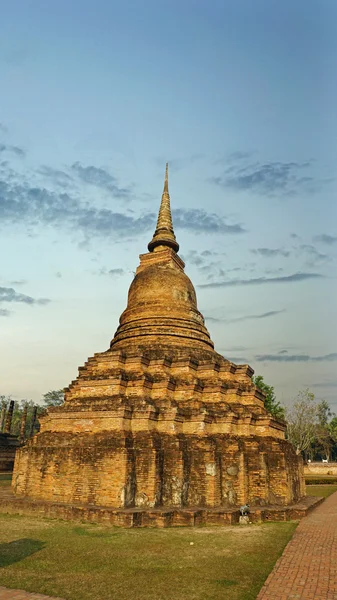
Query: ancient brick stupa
(160, 420)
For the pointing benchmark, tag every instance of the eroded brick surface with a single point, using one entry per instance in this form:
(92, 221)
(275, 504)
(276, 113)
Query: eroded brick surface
(307, 569)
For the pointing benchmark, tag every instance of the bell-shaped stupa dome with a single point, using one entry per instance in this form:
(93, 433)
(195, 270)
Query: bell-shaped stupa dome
(162, 303)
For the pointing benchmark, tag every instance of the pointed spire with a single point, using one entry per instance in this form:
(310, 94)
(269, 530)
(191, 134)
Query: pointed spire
(164, 234)
(166, 179)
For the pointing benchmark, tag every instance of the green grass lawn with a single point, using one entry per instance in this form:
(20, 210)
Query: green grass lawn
(5, 478)
(321, 490)
(91, 562)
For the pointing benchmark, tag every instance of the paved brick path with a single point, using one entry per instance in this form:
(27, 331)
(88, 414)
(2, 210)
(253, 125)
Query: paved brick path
(307, 569)
(7, 594)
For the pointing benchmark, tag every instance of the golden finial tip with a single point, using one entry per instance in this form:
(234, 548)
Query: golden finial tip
(166, 179)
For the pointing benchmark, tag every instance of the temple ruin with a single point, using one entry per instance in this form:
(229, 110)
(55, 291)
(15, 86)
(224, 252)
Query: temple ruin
(160, 421)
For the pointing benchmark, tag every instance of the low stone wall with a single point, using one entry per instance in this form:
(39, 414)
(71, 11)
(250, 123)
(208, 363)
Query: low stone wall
(319, 468)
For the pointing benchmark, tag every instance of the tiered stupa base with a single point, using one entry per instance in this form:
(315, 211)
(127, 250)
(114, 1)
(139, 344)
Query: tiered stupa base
(155, 429)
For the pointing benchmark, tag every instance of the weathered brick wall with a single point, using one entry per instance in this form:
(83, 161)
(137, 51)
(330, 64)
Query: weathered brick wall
(147, 470)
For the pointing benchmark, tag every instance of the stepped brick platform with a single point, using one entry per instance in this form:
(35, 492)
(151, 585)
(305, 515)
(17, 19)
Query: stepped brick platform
(160, 421)
(156, 517)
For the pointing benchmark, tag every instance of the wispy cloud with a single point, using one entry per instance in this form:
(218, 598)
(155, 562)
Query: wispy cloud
(18, 282)
(270, 313)
(324, 238)
(270, 252)
(10, 295)
(295, 277)
(111, 272)
(209, 264)
(199, 220)
(4, 312)
(268, 178)
(101, 178)
(21, 203)
(238, 360)
(234, 349)
(233, 157)
(3, 128)
(313, 257)
(194, 258)
(239, 155)
(295, 358)
(214, 319)
(19, 152)
(57, 176)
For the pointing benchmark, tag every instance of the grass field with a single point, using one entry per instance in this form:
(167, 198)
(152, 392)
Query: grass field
(321, 490)
(90, 562)
(5, 478)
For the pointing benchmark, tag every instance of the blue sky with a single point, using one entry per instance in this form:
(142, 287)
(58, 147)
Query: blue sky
(240, 98)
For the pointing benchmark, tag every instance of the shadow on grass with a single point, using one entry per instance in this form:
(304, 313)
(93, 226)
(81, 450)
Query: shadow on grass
(17, 550)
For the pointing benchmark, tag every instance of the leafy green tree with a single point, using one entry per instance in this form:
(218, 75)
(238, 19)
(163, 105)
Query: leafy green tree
(333, 428)
(323, 413)
(54, 398)
(270, 403)
(324, 441)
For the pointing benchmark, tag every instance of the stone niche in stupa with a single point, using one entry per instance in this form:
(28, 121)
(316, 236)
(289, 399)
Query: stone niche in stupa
(160, 420)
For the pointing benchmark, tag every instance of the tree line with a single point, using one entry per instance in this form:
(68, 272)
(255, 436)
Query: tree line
(310, 424)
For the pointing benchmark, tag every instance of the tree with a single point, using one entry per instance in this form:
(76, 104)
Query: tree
(302, 420)
(270, 402)
(324, 441)
(54, 398)
(333, 428)
(333, 435)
